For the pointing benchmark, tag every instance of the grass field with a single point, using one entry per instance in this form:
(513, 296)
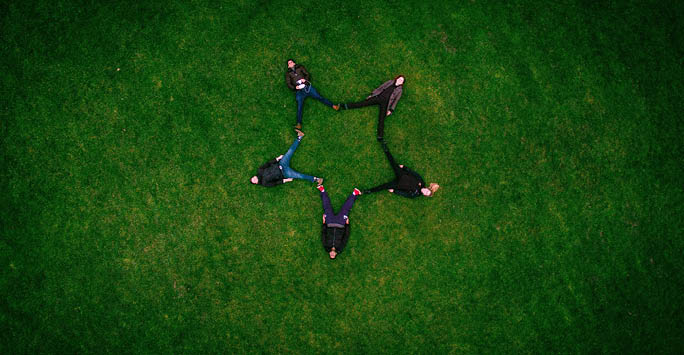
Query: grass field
(130, 130)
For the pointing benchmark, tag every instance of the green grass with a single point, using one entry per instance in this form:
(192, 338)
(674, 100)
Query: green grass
(130, 130)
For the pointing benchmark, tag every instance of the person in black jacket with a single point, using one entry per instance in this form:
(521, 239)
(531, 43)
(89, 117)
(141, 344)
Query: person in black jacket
(407, 182)
(335, 229)
(386, 96)
(278, 171)
(299, 80)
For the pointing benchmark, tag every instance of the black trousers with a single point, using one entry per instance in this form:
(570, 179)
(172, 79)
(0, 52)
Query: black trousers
(397, 172)
(382, 103)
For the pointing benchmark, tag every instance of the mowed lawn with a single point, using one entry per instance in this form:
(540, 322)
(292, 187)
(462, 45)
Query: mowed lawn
(130, 131)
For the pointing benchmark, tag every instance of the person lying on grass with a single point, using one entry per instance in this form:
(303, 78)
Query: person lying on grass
(335, 230)
(299, 80)
(406, 183)
(386, 97)
(278, 171)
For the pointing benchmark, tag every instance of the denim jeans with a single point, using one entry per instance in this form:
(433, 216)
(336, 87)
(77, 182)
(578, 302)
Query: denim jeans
(285, 164)
(302, 94)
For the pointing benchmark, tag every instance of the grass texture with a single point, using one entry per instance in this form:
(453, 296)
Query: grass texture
(130, 130)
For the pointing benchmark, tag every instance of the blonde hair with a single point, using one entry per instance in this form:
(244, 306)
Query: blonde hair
(433, 187)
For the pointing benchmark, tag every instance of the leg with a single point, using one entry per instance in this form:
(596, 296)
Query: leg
(294, 174)
(388, 185)
(314, 93)
(367, 102)
(348, 205)
(285, 162)
(381, 119)
(300, 96)
(390, 159)
(327, 206)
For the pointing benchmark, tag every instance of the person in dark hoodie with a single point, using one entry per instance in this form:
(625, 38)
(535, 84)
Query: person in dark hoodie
(298, 79)
(406, 183)
(335, 229)
(386, 96)
(278, 171)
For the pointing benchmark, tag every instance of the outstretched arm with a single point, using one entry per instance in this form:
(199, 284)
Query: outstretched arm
(345, 238)
(381, 88)
(409, 194)
(306, 74)
(396, 95)
(268, 163)
(386, 186)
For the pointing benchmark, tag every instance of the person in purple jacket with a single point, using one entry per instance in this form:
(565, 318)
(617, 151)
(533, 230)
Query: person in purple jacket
(335, 229)
(278, 171)
(386, 97)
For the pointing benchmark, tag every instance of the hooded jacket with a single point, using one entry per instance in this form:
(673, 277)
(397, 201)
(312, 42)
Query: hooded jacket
(334, 237)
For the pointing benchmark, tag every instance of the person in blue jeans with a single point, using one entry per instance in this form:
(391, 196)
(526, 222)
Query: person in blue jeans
(335, 229)
(278, 170)
(298, 79)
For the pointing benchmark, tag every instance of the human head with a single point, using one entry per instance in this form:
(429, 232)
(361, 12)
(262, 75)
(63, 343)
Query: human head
(254, 179)
(290, 63)
(398, 81)
(430, 190)
(333, 253)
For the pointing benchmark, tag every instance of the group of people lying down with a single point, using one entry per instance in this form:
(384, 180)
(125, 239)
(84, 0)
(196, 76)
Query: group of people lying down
(335, 228)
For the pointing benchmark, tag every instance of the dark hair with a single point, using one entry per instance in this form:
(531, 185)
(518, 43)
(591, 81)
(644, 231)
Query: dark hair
(399, 76)
(289, 61)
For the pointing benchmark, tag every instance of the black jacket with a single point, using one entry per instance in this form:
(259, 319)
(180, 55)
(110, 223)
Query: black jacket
(409, 183)
(334, 237)
(270, 174)
(292, 75)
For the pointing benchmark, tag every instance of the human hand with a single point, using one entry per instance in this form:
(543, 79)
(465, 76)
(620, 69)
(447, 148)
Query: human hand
(389, 113)
(279, 157)
(401, 166)
(323, 218)
(390, 190)
(288, 180)
(300, 86)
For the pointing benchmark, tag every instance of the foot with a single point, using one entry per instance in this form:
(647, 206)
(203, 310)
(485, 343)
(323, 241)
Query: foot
(300, 134)
(320, 188)
(319, 181)
(336, 107)
(380, 139)
(298, 126)
(356, 192)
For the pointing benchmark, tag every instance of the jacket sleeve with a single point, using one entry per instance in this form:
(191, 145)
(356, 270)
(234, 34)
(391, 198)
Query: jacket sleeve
(409, 194)
(345, 238)
(382, 87)
(288, 81)
(273, 183)
(323, 236)
(396, 95)
(306, 74)
(268, 163)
